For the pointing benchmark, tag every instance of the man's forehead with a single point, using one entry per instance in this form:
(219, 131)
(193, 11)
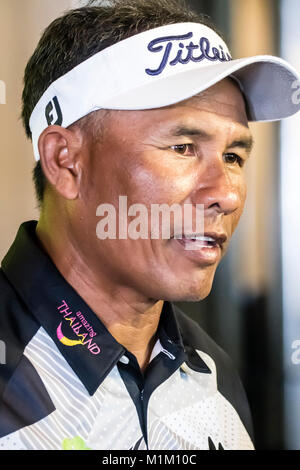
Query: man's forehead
(219, 108)
(192, 117)
(223, 99)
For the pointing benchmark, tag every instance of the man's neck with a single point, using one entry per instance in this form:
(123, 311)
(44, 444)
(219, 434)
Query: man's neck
(130, 318)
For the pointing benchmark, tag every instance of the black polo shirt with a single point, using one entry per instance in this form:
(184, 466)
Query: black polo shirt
(67, 383)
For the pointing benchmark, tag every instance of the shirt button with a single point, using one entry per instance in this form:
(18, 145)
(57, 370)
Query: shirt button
(124, 359)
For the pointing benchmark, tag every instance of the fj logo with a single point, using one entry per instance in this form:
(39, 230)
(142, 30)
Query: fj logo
(49, 112)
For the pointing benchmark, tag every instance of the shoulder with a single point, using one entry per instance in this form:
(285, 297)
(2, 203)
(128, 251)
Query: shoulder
(16, 321)
(17, 326)
(23, 396)
(228, 380)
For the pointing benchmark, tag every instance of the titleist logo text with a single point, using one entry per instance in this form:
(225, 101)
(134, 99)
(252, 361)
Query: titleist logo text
(174, 52)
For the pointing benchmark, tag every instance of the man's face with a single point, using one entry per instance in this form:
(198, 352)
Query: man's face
(188, 153)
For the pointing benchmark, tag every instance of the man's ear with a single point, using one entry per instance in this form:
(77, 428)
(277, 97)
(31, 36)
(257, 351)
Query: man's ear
(60, 152)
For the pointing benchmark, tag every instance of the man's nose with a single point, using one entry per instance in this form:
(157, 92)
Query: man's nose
(218, 188)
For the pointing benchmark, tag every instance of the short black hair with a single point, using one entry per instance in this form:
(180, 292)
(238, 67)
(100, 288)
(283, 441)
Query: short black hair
(81, 33)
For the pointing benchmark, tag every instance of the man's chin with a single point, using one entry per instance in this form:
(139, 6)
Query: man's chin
(180, 285)
(191, 297)
(192, 293)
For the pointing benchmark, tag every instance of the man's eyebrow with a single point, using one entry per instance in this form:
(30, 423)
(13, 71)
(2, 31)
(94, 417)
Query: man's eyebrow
(188, 131)
(246, 143)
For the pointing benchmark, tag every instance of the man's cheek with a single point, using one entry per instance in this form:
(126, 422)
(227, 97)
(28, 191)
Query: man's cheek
(160, 180)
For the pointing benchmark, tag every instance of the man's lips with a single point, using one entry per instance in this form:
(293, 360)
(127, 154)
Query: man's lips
(205, 248)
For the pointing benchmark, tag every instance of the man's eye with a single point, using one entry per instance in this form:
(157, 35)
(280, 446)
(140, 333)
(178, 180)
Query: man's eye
(184, 149)
(233, 158)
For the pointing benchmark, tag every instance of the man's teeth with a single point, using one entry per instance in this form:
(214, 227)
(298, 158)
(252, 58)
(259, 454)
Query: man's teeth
(199, 238)
(201, 241)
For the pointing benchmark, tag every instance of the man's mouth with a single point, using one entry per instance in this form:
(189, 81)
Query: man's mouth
(209, 240)
(205, 248)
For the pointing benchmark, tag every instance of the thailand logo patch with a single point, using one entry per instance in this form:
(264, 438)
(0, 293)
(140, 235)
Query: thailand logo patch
(79, 326)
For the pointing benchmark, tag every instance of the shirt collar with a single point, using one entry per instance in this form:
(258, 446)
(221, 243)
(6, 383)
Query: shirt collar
(65, 315)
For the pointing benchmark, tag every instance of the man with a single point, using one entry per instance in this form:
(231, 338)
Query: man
(136, 99)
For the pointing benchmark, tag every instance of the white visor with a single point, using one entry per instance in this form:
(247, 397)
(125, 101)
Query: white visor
(161, 67)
